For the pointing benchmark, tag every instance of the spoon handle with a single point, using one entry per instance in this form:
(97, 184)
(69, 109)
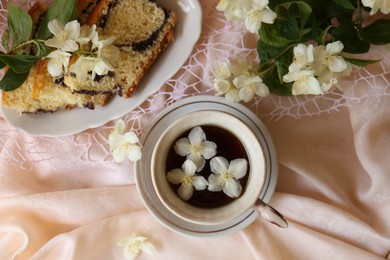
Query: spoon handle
(270, 214)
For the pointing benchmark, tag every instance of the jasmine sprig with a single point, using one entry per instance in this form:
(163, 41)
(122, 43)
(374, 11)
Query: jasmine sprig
(302, 22)
(284, 25)
(94, 55)
(22, 50)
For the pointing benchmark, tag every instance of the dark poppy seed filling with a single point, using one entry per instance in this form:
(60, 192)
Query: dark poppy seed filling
(38, 111)
(136, 46)
(60, 81)
(90, 92)
(119, 89)
(110, 74)
(147, 43)
(90, 105)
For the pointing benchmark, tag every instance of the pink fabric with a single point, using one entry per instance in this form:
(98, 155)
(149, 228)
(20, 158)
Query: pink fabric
(65, 198)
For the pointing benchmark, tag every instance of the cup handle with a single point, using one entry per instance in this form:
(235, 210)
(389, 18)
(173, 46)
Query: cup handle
(270, 214)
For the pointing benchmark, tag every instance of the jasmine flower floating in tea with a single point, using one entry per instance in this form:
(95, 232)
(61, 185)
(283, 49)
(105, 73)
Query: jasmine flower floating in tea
(226, 175)
(219, 181)
(187, 179)
(196, 148)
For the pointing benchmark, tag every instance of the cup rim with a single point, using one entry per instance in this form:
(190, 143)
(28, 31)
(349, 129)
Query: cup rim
(225, 213)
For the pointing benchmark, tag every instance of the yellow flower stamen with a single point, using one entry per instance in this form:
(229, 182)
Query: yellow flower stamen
(196, 148)
(227, 175)
(187, 181)
(134, 248)
(254, 16)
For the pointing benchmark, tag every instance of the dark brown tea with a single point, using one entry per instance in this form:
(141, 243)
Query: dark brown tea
(229, 147)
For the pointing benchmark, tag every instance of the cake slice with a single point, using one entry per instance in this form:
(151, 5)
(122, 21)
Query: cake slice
(39, 93)
(142, 30)
(42, 93)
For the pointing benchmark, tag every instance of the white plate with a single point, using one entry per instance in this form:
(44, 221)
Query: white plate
(67, 122)
(162, 121)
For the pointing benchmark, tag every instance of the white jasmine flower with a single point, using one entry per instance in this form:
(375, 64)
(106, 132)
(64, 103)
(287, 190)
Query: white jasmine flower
(222, 85)
(234, 8)
(222, 5)
(232, 77)
(64, 36)
(329, 58)
(102, 67)
(85, 65)
(134, 245)
(99, 44)
(124, 145)
(105, 50)
(303, 56)
(196, 147)
(260, 4)
(225, 87)
(304, 82)
(249, 86)
(58, 62)
(243, 66)
(329, 65)
(375, 5)
(87, 33)
(226, 175)
(82, 67)
(223, 72)
(188, 180)
(255, 12)
(327, 85)
(255, 17)
(329, 79)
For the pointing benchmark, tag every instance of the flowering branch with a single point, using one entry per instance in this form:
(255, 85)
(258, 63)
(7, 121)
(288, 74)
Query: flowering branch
(329, 34)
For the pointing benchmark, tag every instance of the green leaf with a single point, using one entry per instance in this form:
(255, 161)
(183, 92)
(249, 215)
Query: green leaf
(377, 33)
(19, 63)
(297, 9)
(275, 86)
(304, 11)
(282, 63)
(13, 80)
(334, 9)
(348, 35)
(5, 41)
(268, 52)
(265, 66)
(305, 31)
(345, 17)
(63, 11)
(281, 11)
(42, 49)
(19, 24)
(345, 4)
(360, 62)
(271, 34)
(291, 30)
(322, 38)
(2, 65)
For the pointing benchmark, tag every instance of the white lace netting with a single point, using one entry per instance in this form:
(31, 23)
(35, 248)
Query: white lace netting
(219, 41)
